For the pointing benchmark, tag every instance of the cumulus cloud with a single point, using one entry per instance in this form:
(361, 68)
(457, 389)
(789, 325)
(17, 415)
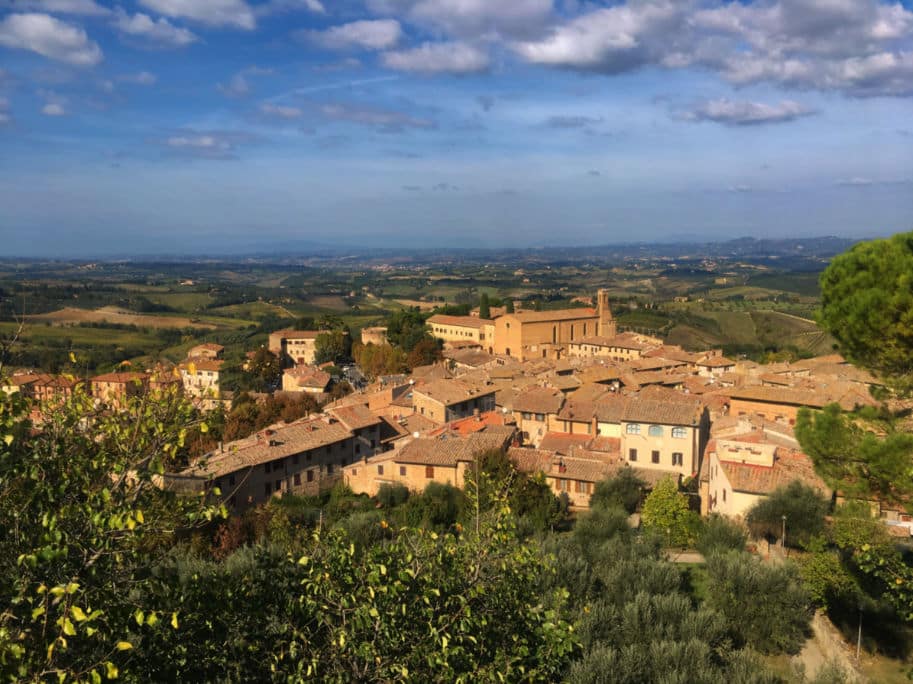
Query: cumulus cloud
(233, 13)
(53, 109)
(49, 37)
(860, 47)
(84, 7)
(215, 145)
(382, 120)
(378, 34)
(239, 84)
(431, 58)
(280, 111)
(159, 31)
(732, 113)
(472, 18)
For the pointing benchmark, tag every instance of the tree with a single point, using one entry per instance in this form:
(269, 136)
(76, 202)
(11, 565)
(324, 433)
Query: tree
(484, 306)
(375, 360)
(867, 304)
(406, 328)
(765, 605)
(721, 534)
(509, 305)
(852, 458)
(426, 352)
(624, 489)
(666, 512)
(265, 368)
(332, 346)
(803, 507)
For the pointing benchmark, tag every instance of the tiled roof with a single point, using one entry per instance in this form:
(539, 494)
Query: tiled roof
(663, 411)
(448, 450)
(306, 376)
(562, 442)
(295, 438)
(779, 395)
(298, 334)
(461, 321)
(789, 466)
(716, 362)
(558, 315)
(354, 417)
(539, 400)
(622, 341)
(530, 460)
(209, 346)
(450, 392)
(203, 365)
(121, 378)
(470, 424)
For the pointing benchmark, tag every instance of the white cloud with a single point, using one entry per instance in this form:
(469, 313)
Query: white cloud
(379, 34)
(454, 58)
(140, 78)
(84, 7)
(239, 85)
(280, 6)
(472, 19)
(236, 13)
(860, 47)
(49, 37)
(53, 109)
(160, 31)
(215, 145)
(280, 111)
(744, 113)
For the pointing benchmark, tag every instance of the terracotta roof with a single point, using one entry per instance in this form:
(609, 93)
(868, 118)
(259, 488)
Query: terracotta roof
(354, 417)
(562, 442)
(470, 424)
(298, 334)
(121, 378)
(558, 315)
(203, 365)
(450, 392)
(716, 362)
(470, 357)
(447, 450)
(295, 438)
(663, 411)
(530, 460)
(307, 376)
(209, 346)
(622, 341)
(779, 395)
(539, 400)
(462, 321)
(564, 382)
(789, 466)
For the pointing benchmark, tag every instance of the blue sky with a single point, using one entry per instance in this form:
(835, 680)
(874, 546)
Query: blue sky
(223, 126)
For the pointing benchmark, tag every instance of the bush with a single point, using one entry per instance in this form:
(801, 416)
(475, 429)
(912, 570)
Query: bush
(721, 534)
(625, 490)
(804, 508)
(765, 606)
(392, 495)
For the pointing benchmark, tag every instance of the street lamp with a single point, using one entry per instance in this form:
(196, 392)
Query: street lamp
(783, 535)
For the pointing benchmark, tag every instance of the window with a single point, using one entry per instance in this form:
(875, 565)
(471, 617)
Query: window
(310, 476)
(679, 432)
(678, 459)
(632, 454)
(655, 431)
(632, 429)
(297, 479)
(540, 417)
(380, 470)
(724, 496)
(402, 471)
(527, 416)
(563, 485)
(583, 487)
(429, 472)
(655, 457)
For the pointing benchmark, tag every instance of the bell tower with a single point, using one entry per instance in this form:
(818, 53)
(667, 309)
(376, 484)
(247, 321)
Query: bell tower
(607, 327)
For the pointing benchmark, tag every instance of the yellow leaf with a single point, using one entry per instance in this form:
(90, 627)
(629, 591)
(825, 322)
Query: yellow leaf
(8, 439)
(152, 619)
(72, 357)
(204, 428)
(124, 645)
(77, 613)
(68, 627)
(111, 670)
(174, 620)
(139, 517)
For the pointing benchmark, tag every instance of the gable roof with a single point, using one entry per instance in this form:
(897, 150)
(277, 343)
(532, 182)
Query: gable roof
(539, 400)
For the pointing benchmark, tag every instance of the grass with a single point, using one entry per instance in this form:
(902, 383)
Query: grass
(43, 335)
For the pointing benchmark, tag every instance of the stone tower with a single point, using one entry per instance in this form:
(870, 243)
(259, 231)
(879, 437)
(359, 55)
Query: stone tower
(607, 326)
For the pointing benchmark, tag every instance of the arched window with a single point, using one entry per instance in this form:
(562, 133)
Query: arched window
(656, 431)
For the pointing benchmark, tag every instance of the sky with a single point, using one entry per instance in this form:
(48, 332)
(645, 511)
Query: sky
(231, 126)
